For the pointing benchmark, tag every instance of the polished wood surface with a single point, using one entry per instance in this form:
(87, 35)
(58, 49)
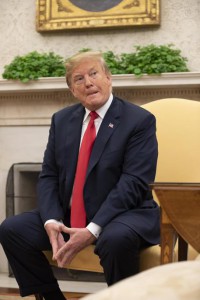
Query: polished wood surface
(14, 292)
(180, 218)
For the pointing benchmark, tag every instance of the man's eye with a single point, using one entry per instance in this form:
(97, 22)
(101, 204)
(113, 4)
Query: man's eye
(93, 74)
(78, 79)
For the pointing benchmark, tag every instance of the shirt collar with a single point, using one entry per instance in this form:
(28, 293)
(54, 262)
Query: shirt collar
(102, 110)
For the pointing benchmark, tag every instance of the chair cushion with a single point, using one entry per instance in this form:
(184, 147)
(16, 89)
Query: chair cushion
(86, 260)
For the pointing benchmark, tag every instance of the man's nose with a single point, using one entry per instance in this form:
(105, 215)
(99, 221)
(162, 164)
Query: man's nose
(88, 81)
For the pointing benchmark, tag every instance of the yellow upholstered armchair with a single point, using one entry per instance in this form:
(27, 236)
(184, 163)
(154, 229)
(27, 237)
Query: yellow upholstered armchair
(178, 133)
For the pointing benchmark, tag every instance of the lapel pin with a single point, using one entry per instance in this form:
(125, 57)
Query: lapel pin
(111, 125)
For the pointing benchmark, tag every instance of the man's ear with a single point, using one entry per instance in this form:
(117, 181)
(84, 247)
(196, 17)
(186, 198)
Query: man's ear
(109, 77)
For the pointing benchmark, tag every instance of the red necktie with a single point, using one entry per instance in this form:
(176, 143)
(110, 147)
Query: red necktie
(78, 214)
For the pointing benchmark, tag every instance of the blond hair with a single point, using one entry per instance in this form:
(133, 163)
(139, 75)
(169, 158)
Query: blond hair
(74, 61)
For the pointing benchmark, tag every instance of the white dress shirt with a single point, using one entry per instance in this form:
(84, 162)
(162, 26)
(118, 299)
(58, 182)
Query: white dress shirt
(92, 227)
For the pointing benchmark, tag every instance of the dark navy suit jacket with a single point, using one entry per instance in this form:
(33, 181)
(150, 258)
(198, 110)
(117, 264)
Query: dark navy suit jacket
(122, 164)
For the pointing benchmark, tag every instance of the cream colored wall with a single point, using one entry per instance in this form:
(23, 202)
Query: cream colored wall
(180, 23)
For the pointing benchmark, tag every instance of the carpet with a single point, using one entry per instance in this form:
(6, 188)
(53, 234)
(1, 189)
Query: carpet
(10, 296)
(15, 297)
(13, 294)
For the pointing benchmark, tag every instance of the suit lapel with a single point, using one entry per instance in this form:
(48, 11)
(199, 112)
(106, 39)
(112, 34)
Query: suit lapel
(73, 134)
(108, 126)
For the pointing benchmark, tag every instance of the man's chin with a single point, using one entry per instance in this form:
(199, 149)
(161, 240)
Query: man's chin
(93, 102)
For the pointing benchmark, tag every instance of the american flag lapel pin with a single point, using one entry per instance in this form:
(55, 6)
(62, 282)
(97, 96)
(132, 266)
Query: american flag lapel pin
(111, 125)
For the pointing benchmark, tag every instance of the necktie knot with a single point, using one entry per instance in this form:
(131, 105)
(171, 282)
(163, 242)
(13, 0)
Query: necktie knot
(94, 115)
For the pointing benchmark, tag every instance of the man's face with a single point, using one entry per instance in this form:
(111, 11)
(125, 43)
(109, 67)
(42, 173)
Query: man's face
(90, 84)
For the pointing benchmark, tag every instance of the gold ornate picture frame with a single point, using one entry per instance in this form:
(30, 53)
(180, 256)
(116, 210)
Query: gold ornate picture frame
(54, 15)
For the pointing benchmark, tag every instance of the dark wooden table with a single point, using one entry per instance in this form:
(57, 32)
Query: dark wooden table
(180, 218)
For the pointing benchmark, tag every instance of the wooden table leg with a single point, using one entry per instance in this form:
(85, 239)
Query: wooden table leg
(168, 239)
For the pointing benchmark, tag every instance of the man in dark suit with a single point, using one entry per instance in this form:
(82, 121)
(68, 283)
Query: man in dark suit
(119, 213)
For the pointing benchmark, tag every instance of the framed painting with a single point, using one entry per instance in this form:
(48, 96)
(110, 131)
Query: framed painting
(82, 14)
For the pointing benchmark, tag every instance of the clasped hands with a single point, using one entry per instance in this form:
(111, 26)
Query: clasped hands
(64, 252)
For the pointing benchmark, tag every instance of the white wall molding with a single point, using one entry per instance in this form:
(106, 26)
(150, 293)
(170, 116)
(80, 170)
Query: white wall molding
(33, 103)
(119, 81)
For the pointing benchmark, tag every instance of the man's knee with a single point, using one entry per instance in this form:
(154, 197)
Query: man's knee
(116, 241)
(4, 231)
(7, 228)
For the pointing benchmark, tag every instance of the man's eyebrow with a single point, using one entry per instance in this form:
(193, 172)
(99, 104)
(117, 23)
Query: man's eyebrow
(79, 74)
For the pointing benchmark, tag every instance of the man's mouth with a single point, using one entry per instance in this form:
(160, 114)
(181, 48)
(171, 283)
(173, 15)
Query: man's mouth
(92, 93)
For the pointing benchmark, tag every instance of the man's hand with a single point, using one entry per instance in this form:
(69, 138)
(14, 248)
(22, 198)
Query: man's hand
(55, 236)
(79, 239)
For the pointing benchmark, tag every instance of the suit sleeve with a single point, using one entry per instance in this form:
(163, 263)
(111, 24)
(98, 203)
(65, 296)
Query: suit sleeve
(48, 185)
